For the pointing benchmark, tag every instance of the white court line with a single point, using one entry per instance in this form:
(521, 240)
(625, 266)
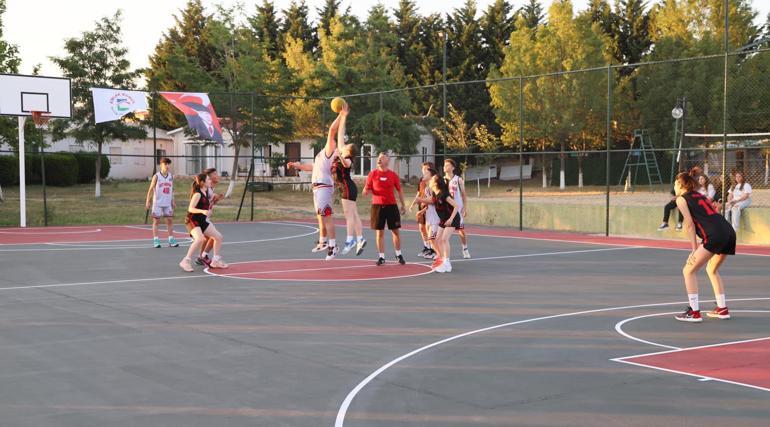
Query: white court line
(690, 374)
(296, 270)
(343, 410)
(619, 327)
(93, 246)
(46, 233)
(103, 282)
(492, 258)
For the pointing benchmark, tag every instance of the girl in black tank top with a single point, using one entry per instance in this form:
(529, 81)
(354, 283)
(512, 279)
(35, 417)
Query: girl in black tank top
(717, 242)
(199, 226)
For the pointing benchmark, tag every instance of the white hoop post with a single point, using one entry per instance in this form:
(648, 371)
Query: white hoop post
(22, 175)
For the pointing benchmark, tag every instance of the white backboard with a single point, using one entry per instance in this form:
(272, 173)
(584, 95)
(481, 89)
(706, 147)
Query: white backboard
(21, 95)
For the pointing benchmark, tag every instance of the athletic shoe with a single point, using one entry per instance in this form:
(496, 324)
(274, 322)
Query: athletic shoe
(466, 253)
(186, 266)
(360, 247)
(380, 261)
(204, 260)
(719, 312)
(447, 266)
(172, 243)
(689, 315)
(441, 268)
(425, 253)
(349, 245)
(218, 263)
(436, 262)
(331, 252)
(663, 226)
(678, 226)
(400, 259)
(320, 247)
(421, 254)
(156, 242)
(431, 254)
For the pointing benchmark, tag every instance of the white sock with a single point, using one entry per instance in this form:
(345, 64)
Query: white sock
(693, 302)
(324, 239)
(721, 303)
(349, 239)
(217, 258)
(426, 243)
(332, 242)
(465, 247)
(360, 238)
(382, 255)
(204, 254)
(398, 253)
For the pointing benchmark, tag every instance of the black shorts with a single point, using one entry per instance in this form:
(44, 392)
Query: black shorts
(382, 214)
(191, 222)
(456, 223)
(348, 190)
(723, 244)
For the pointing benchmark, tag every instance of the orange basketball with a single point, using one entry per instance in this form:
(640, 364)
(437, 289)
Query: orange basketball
(337, 104)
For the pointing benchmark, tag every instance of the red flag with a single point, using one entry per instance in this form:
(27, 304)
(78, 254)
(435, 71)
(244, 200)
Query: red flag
(199, 112)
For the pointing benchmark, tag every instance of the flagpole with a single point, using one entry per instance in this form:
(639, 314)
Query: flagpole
(154, 144)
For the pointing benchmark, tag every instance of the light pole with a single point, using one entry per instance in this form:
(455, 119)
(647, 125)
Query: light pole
(445, 38)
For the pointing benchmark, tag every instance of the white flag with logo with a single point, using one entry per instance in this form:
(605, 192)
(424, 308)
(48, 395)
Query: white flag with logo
(113, 104)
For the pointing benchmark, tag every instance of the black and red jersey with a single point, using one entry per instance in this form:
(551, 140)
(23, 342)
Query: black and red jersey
(203, 204)
(709, 224)
(340, 173)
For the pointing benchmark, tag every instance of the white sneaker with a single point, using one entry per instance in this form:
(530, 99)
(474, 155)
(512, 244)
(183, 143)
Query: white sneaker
(447, 266)
(360, 247)
(466, 254)
(441, 268)
(320, 247)
(349, 245)
(331, 252)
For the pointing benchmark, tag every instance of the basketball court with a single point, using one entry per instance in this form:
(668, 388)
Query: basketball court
(98, 328)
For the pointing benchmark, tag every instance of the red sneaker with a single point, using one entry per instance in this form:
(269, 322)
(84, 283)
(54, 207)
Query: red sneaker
(689, 315)
(719, 312)
(436, 263)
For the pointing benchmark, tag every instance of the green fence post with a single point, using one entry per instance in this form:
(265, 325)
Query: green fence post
(521, 153)
(609, 141)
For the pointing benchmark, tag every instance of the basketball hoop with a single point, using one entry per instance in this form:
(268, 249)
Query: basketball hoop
(39, 119)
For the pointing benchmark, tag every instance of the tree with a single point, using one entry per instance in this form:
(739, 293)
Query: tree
(410, 50)
(266, 26)
(96, 59)
(9, 63)
(533, 15)
(559, 110)
(497, 24)
(296, 26)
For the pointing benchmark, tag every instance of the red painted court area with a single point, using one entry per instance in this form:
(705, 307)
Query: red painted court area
(744, 363)
(98, 233)
(320, 270)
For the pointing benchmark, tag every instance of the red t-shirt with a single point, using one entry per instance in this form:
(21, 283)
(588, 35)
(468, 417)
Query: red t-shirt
(382, 184)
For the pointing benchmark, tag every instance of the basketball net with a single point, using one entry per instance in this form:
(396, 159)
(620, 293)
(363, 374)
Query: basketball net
(39, 119)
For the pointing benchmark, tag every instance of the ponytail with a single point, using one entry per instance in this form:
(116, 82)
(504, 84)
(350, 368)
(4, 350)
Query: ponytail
(198, 183)
(687, 181)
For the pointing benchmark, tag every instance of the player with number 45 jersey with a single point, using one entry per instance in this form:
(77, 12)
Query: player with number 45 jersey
(162, 194)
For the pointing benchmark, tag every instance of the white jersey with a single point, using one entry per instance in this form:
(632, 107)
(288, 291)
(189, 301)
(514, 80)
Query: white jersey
(455, 192)
(164, 190)
(431, 216)
(322, 168)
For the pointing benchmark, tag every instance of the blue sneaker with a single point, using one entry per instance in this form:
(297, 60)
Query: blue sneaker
(172, 243)
(349, 245)
(156, 242)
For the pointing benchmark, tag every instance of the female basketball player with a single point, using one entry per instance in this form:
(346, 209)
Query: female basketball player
(448, 212)
(429, 214)
(341, 169)
(457, 191)
(717, 241)
(198, 224)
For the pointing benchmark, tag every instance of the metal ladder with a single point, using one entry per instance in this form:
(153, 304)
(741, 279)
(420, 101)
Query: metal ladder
(642, 156)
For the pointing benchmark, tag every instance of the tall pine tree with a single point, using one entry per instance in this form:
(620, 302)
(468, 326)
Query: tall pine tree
(533, 14)
(297, 26)
(267, 28)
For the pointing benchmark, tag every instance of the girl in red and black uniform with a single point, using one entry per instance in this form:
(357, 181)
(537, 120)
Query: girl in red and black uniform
(449, 215)
(717, 241)
(198, 224)
(341, 170)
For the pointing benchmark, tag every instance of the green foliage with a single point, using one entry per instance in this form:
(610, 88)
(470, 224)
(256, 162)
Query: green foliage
(297, 26)
(61, 169)
(266, 27)
(9, 170)
(87, 166)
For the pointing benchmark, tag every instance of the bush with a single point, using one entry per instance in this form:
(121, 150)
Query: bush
(61, 169)
(87, 165)
(9, 170)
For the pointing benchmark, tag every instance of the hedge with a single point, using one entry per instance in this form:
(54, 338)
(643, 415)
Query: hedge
(61, 169)
(87, 165)
(9, 170)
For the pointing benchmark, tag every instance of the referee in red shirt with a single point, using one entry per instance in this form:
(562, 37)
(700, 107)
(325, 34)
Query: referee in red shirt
(381, 182)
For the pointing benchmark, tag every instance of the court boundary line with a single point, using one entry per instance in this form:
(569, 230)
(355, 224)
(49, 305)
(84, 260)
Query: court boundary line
(690, 374)
(619, 327)
(342, 412)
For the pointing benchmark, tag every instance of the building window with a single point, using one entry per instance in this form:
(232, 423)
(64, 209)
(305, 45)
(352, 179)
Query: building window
(158, 155)
(116, 156)
(367, 159)
(193, 153)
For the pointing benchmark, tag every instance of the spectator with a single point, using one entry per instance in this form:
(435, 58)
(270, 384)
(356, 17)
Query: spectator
(705, 187)
(671, 205)
(717, 200)
(738, 199)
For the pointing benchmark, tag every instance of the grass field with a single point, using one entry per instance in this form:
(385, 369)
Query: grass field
(122, 202)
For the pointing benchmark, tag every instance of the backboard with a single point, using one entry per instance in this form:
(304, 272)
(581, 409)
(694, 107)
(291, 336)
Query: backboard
(20, 95)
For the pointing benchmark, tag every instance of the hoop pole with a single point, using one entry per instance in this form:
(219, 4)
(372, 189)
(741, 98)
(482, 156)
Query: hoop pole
(22, 176)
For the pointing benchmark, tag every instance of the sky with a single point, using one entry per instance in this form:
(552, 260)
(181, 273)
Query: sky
(39, 28)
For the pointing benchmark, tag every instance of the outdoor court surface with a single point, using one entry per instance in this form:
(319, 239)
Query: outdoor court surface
(97, 328)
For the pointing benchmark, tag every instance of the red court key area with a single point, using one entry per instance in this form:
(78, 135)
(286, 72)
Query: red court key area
(78, 234)
(320, 270)
(744, 363)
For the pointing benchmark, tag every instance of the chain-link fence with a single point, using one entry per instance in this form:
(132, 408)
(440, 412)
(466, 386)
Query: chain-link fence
(591, 150)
